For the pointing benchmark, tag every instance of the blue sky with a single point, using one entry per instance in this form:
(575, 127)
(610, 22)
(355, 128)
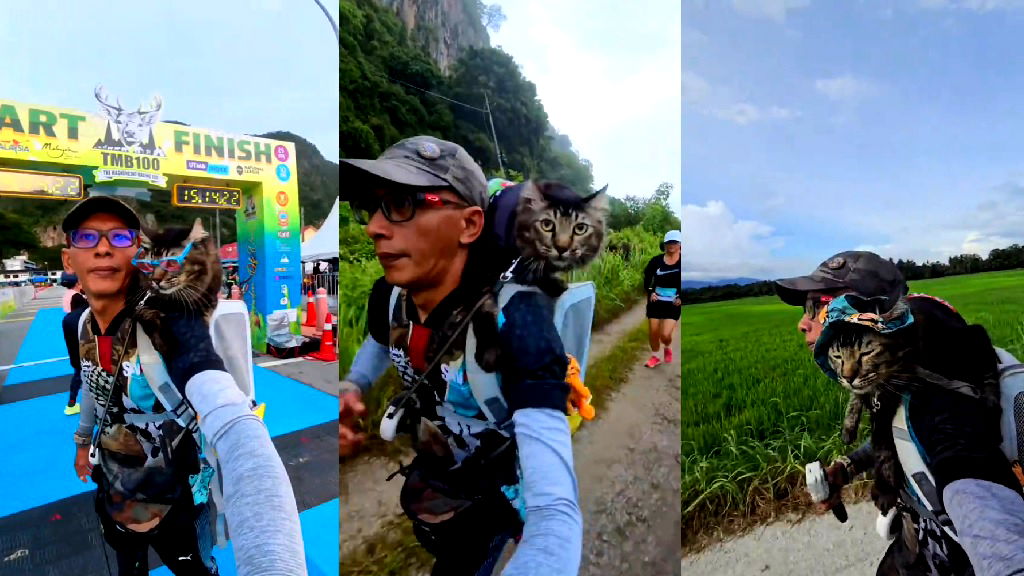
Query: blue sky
(240, 66)
(811, 127)
(608, 74)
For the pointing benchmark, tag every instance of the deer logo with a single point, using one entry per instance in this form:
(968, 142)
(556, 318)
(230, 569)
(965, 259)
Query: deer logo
(127, 130)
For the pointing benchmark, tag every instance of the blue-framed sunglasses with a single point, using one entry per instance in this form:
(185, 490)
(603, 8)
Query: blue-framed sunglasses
(170, 264)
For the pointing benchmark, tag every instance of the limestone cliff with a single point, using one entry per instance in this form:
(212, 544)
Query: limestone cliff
(445, 28)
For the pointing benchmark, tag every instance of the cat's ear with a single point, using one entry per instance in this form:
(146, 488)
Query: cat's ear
(197, 233)
(598, 200)
(531, 195)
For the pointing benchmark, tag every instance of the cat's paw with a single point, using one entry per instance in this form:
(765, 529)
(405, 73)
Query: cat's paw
(849, 436)
(884, 500)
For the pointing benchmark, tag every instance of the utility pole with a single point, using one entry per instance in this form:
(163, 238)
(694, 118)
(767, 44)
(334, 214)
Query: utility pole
(494, 135)
(334, 26)
(217, 212)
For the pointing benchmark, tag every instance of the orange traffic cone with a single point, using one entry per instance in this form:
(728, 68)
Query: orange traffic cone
(310, 310)
(327, 352)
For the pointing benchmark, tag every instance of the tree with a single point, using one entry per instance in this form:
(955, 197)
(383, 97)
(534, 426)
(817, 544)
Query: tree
(491, 15)
(18, 236)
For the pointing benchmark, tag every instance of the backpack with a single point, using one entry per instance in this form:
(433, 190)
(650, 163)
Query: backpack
(920, 491)
(229, 320)
(573, 319)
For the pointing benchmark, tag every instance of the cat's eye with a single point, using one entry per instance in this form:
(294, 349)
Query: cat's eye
(580, 229)
(547, 225)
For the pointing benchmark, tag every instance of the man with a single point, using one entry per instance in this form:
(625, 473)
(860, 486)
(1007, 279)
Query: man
(974, 480)
(143, 496)
(423, 202)
(74, 305)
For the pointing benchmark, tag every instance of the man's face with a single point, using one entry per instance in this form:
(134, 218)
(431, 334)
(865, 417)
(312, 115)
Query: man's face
(104, 270)
(672, 248)
(813, 320)
(419, 253)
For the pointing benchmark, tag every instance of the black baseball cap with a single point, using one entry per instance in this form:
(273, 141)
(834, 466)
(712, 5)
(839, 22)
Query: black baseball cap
(421, 162)
(100, 205)
(864, 273)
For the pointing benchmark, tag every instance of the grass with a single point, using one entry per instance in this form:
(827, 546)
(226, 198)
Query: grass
(757, 408)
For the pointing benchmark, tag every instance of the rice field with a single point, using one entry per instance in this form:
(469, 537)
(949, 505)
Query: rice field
(756, 408)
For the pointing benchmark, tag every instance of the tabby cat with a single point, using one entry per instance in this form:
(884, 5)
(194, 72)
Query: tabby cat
(551, 229)
(878, 369)
(192, 289)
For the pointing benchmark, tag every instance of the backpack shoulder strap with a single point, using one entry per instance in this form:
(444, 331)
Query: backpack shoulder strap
(155, 372)
(920, 482)
(82, 320)
(486, 386)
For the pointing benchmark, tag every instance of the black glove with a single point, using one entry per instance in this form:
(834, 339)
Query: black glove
(533, 364)
(189, 336)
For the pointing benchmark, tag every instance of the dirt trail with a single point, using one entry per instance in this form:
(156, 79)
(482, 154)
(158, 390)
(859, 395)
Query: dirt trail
(817, 545)
(624, 458)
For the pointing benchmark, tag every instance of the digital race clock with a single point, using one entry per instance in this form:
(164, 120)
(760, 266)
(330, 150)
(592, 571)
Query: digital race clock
(206, 196)
(32, 184)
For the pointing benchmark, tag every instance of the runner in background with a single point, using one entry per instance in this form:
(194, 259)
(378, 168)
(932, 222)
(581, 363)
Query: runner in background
(74, 304)
(663, 281)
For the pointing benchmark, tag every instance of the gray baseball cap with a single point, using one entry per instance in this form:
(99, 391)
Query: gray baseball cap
(864, 273)
(422, 162)
(81, 212)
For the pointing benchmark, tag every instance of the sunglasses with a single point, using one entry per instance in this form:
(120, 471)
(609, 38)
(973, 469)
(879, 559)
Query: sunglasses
(816, 307)
(89, 238)
(398, 207)
(170, 264)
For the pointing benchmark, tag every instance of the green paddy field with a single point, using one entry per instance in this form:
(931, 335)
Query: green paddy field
(756, 408)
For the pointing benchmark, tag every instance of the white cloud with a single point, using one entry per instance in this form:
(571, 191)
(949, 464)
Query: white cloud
(744, 113)
(695, 88)
(716, 244)
(845, 88)
(774, 10)
(972, 5)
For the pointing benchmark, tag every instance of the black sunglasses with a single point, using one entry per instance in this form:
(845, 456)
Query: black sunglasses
(90, 238)
(398, 206)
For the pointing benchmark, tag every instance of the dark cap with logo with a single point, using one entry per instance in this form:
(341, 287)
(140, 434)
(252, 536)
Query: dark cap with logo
(864, 273)
(420, 162)
(100, 205)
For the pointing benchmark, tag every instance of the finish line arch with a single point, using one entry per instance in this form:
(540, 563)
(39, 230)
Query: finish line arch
(64, 154)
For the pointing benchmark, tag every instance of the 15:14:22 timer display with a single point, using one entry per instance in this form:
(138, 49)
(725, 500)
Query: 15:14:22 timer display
(206, 196)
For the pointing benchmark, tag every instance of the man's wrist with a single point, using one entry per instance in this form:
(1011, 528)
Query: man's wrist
(81, 440)
(349, 387)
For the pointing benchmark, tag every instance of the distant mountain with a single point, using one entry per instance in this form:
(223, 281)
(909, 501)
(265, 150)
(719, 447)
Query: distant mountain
(695, 284)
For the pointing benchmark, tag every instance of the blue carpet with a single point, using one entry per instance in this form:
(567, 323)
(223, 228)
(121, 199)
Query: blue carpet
(320, 539)
(36, 438)
(44, 340)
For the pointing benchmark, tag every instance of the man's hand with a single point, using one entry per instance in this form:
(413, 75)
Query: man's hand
(350, 408)
(653, 298)
(677, 302)
(837, 478)
(83, 468)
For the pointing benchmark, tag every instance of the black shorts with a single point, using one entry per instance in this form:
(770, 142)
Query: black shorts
(661, 310)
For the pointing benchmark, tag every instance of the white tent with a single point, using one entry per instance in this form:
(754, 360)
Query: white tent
(324, 244)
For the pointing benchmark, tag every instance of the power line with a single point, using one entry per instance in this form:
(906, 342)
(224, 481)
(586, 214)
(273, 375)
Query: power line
(436, 94)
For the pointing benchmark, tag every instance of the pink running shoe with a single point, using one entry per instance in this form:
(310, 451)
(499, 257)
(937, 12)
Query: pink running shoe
(668, 355)
(654, 361)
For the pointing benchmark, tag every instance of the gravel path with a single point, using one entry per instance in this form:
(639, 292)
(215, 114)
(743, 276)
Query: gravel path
(817, 545)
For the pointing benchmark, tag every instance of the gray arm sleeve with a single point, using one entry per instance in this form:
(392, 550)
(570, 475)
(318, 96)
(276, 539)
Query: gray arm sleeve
(87, 416)
(370, 362)
(553, 536)
(989, 520)
(262, 516)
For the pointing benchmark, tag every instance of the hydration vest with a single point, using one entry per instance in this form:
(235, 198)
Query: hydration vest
(228, 323)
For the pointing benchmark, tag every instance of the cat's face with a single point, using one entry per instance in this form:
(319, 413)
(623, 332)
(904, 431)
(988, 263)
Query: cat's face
(197, 273)
(864, 358)
(559, 227)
